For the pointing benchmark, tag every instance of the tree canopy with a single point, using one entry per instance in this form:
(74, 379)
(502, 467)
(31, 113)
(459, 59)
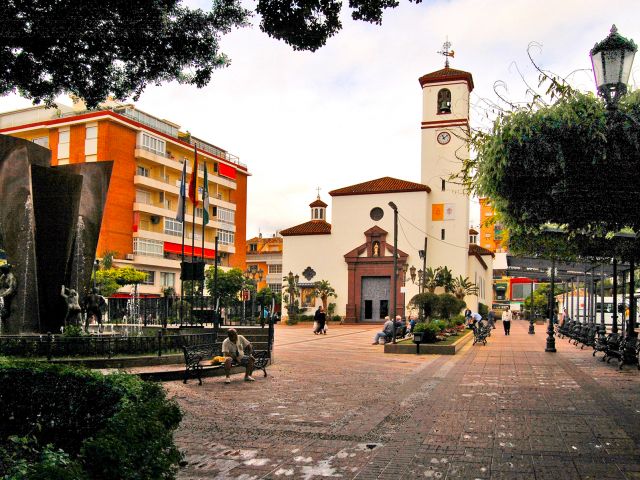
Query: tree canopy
(228, 285)
(95, 49)
(569, 163)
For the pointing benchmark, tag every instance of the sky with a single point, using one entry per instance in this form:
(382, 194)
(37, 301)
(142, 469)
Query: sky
(351, 111)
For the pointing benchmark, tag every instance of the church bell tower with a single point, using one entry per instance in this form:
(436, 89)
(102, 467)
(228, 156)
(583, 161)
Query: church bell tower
(445, 130)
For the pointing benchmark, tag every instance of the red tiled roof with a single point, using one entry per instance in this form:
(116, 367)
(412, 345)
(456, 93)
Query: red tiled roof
(380, 185)
(446, 75)
(478, 250)
(314, 227)
(317, 203)
(473, 231)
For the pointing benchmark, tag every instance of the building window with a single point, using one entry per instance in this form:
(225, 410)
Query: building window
(167, 279)
(151, 277)
(473, 239)
(172, 227)
(275, 287)
(42, 141)
(153, 144)
(143, 171)
(226, 237)
(148, 247)
(142, 196)
(63, 143)
(442, 234)
(444, 101)
(253, 247)
(225, 215)
(276, 268)
(91, 139)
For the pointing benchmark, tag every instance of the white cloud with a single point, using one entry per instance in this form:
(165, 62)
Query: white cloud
(351, 111)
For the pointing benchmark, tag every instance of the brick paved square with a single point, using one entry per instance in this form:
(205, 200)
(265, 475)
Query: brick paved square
(506, 410)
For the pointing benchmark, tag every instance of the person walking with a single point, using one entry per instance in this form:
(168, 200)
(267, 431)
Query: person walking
(506, 320)
(491, 318)
(320, 319)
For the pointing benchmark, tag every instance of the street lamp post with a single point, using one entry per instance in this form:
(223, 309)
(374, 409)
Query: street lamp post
(612, 59)
(254, 276)
(395, 266)
(551, 341)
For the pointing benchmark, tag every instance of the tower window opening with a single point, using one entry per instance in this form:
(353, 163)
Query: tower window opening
(442, 234)
(444, 184)
(444, 101)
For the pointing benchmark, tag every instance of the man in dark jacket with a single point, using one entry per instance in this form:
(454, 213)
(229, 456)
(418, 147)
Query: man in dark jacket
(321, 319)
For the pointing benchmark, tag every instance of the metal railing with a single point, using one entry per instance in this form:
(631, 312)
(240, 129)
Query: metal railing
(104, 346)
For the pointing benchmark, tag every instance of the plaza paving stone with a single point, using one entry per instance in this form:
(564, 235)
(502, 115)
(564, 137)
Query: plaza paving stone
(335, 406)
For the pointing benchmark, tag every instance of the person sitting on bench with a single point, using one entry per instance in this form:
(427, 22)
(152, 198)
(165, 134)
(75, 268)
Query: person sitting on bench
(387, 330)
(237, 348)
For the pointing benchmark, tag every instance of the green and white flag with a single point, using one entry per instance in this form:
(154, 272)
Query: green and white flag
(205, 197)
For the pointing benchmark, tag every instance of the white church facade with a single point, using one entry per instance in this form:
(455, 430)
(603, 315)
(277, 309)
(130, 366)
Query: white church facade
(355, 251)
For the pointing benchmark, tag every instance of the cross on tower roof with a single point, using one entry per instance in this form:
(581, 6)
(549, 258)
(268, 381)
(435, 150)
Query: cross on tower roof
(318, 189)
(446, 52)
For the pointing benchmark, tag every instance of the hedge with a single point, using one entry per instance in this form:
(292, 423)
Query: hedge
(67, 422)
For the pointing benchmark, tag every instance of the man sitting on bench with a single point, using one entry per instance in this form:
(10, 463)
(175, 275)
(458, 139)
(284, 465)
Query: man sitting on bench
(237, 348)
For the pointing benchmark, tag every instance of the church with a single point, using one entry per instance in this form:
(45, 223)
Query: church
(354, 250)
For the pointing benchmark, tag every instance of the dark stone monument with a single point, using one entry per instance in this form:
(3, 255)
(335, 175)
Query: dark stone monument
(50, 219)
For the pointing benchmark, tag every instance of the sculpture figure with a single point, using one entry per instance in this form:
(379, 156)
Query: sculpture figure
(8, 285)
(74, 312)
(93, 305)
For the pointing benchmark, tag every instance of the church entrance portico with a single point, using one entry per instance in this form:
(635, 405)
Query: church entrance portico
(375, 298)
(370, 274)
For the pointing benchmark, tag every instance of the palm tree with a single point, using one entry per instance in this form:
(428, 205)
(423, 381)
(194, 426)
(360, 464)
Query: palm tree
(430, 279)
(445, 278)
(462, 287)
(324, 290)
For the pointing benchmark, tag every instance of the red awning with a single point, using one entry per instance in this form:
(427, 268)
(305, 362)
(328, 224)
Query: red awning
(177, 248)
(226, 170)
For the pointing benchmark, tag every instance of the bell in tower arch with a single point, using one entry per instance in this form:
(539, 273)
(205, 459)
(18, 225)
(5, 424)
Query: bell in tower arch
(444, 101)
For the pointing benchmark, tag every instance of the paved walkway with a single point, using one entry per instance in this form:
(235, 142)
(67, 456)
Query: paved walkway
(336, 407)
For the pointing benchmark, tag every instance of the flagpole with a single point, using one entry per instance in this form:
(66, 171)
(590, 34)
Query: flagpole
(194, 200)
(205, 203)
(183, 212)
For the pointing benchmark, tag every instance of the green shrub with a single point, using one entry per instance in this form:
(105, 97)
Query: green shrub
(429, 331)
(72, 331)
(483, 310)
(111, 427)
(427, 301)
(449, 305)
(292, 320)
(336, 318)
(440, 324)
(22, 458)
(458, 320)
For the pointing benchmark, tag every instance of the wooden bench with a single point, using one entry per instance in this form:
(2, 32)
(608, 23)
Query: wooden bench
(196, 357)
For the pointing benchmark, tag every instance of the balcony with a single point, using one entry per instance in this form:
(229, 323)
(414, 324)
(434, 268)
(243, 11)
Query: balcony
(166, 160)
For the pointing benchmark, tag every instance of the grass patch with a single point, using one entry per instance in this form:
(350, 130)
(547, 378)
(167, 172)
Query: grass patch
(448, 341)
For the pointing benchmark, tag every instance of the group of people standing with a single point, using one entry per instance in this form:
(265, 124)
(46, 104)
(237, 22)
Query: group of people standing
(473, 317)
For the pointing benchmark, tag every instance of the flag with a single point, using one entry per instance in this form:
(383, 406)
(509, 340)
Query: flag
(193, 182)
(205, 197)
(182, 194)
